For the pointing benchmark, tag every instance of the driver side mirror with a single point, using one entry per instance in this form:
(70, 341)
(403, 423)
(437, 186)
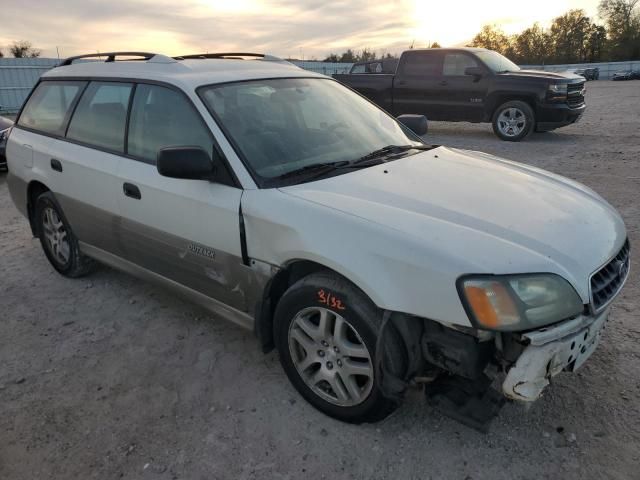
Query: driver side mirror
(192, 163)
(418, 124)
(476, 72)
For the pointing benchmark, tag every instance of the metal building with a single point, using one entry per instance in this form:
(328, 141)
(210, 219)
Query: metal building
(17, 77)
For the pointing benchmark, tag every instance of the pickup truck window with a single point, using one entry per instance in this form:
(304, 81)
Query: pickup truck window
(421, 64)
(282, 125)
(456, 63)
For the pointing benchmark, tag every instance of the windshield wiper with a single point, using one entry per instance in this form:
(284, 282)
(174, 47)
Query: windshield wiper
(316, 170)
(315, 167)
(391, 150)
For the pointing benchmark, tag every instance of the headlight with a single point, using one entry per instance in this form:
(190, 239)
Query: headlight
(558, 88)
(518, 302)
(4, 134)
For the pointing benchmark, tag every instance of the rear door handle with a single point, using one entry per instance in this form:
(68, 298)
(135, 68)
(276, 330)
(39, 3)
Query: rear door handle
(130, 190)
(56, 165)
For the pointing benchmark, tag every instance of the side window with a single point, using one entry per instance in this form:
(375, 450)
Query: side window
(48, 107)
(423, 64)
(456, 63)
(101, 115)
(162, 117)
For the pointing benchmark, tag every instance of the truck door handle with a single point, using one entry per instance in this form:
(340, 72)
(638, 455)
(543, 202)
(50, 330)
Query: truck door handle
(130, 190)
(444, 83)
(56, 165)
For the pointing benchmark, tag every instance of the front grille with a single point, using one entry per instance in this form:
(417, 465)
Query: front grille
(607, 282)
(575, 94)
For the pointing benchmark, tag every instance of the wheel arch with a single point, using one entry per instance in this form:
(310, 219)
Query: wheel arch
(497, 99)
(34, 190)
(290, 273)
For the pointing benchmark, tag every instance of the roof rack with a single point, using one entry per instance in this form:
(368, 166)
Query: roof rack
(112, 56)
(230, 56)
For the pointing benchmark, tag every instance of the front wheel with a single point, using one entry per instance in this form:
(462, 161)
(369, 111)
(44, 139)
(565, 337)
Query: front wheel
(326, 331)
(512, 121)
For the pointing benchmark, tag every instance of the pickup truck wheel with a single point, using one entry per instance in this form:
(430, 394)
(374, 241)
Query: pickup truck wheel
(58, 241)
(512, 121)
(326, 332)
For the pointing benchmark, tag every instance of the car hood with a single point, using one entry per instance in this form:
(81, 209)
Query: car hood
(543, 74)
(498, 216)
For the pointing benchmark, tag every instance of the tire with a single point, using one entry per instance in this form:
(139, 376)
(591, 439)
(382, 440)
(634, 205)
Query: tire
(57, 239)
(348, 310)
(523, 121)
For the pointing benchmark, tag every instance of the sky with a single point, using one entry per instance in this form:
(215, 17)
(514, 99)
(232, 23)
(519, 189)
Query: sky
(287, 28)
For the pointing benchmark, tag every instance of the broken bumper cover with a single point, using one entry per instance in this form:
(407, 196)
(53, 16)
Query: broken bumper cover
(549, 351)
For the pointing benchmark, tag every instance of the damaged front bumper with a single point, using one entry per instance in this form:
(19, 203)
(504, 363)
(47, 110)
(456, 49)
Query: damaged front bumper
(549, 351)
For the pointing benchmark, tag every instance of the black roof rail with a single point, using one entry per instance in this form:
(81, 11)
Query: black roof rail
(217, 55)
(229, 56)
(111, 56)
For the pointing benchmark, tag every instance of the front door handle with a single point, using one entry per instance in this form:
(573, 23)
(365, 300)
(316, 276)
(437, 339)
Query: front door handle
(130, 190)
(444, 83)
(56, 165)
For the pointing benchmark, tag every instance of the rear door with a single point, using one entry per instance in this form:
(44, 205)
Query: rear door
(185, 230)
(462, 96)
(86, 163)
(416, 86)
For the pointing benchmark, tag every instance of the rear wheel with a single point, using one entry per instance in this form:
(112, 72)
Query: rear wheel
(512, 121)
(326, 331)
(57, 240)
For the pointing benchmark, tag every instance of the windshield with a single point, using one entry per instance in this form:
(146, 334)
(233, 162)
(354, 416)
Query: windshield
(496, 62)
(284, 125)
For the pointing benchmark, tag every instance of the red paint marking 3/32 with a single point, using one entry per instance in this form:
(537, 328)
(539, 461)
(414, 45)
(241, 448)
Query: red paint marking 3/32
(330, 300)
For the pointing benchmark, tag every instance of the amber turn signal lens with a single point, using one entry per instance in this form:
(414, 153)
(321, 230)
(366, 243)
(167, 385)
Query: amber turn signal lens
(492, 305)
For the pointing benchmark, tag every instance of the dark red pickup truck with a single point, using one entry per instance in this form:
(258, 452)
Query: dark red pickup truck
(474, 85)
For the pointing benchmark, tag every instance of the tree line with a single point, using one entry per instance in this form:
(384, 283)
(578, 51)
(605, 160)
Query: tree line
(571, 38)
(22, 49)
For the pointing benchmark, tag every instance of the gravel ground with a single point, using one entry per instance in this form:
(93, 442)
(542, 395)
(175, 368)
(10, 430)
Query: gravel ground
(109, 377)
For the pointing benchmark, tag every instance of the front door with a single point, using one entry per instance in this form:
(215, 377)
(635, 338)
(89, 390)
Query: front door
(462, 96)
(184, 230)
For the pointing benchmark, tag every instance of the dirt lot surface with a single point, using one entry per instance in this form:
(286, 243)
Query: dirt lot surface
(108, 377)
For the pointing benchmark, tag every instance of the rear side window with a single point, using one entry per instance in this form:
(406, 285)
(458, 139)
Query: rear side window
(162, 117)
(421, 64)
(456, 63)
(49, 106)
(101, 116)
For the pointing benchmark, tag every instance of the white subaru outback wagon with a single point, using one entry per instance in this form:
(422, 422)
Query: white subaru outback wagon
(288, 204)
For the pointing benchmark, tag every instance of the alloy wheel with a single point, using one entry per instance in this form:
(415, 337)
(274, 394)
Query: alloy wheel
(511, 122)
(330, 356)
(56, 236)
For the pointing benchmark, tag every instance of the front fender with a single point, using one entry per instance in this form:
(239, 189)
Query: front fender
(395, 272)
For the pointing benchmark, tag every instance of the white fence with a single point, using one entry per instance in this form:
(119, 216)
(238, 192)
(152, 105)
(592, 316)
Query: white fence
(607, 69)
